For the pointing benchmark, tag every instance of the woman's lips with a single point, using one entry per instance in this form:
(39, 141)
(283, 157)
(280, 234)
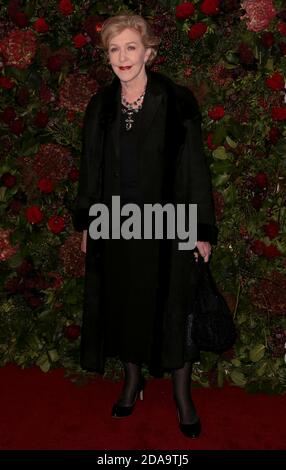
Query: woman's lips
(126, 68)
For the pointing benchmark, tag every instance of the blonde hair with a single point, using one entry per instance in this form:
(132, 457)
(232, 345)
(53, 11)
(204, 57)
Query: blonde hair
(116, 24)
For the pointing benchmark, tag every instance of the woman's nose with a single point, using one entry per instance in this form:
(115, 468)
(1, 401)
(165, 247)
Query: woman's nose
(122, 55)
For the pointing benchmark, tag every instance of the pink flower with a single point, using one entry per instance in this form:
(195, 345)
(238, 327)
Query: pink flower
(19, 48)
(259, 14)
(6, 250)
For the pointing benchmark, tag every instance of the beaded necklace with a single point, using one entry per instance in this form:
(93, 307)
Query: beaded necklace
(131, 108)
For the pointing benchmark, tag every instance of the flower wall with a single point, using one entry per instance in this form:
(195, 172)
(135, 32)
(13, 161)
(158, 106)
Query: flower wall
(232, 55)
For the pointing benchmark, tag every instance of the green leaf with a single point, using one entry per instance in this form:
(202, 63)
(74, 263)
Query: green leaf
(257, 353)
(261, 371)
(231, 142)
(3, 190)
(220, 153)
(29, 147)
(54, 356)
(238, 378)
(44, 363)
(236, 362)
(232, 57)
(230, 195)
(218, 180)
(269, 64)
(219, 134)
(221, 166)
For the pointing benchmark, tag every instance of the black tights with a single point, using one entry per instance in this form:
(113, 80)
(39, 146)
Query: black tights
(181, 379)
(182, 392)
(132, 372)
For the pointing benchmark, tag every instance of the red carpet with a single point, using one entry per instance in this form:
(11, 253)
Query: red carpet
(47, 411)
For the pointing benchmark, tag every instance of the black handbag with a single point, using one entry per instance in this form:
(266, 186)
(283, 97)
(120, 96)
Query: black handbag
(210, 322)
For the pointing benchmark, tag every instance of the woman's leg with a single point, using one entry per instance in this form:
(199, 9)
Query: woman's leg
(132, 373)
(182, 393)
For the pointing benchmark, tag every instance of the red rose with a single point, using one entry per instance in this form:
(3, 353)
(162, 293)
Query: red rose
(79, 40)
(6, 83)
(197, 30)
(210, 7)
(45, 185)
(282, 28)
(282, 47)
(72, 332)
(210, 143)
(267, 39)
(274, 135)
(257, 246)
(56, 224)
(185, 10)
(41, 26)
(271, 251)
(34, 214)
(261, 180)
(8, 114)
(20, 19)
(41, 119)
(216, 113)
(55, 63)
(8, 180)
(271, 229)
(66, 7)
(279, 113)
(73, 175)
(276, 81)
(17, 126)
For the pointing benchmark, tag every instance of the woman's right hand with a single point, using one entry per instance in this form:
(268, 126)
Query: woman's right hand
(83, 241)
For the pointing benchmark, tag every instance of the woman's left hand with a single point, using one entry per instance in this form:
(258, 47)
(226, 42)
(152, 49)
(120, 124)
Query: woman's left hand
(204, 250)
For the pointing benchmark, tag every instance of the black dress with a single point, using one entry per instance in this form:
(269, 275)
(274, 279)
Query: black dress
(130, 304)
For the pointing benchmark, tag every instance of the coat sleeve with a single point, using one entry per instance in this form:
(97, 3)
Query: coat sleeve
(200, 186)
(81, 204)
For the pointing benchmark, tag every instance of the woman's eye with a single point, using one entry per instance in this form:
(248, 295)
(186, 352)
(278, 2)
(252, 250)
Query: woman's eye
(129, 47)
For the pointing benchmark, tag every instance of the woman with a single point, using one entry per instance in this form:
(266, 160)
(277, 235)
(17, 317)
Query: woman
(142, 142)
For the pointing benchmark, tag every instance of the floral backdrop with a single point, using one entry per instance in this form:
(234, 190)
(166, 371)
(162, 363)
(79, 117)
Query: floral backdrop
(232, 55)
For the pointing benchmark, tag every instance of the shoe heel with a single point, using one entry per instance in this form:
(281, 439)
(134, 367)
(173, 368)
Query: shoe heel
(190, 430)
(141, 389)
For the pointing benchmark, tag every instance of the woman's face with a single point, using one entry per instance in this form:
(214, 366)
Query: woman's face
(127, 54)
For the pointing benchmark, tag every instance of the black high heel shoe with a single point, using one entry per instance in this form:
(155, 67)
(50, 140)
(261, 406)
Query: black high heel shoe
(119, 411)
(192, 430)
